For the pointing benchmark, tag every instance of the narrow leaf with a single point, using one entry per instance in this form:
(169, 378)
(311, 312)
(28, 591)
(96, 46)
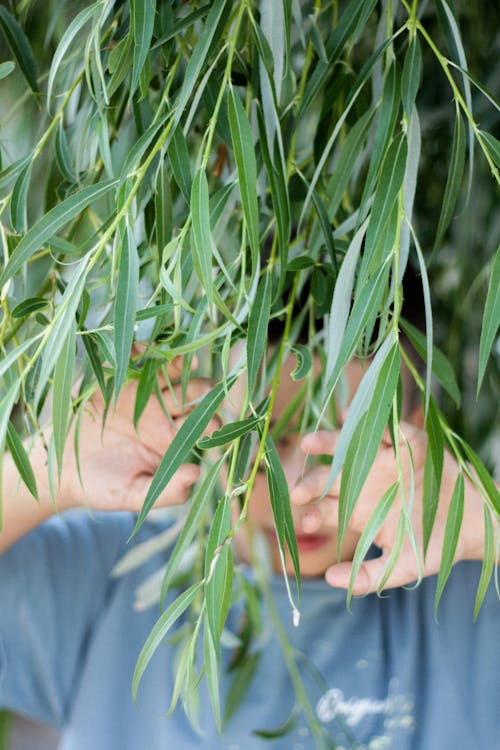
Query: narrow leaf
(454, 179)
(450, 541)
(142, 18)
(488, 561)
(63, 381)
(182, 444)
(484, 476)
(19, 201)
(304, 361)
(21, 459)
(257, 328)
(50, 224)
(229, 432)
(125, 306)
(6, 69)
(178, 155)
(161, 628)
(242, 139)
(20, 47)
(410, 79)
(29, 306)
(491, 319)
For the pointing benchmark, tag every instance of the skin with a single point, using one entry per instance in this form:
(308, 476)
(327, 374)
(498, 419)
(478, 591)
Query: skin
(118, 463)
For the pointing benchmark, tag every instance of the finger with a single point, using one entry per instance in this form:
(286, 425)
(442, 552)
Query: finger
(311, 486)
(176, 492)
(325, 514)
(370, 575)
(322, 441)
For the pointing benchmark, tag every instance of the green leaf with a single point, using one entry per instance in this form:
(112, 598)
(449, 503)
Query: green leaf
(63, 155)
(142, 19)
(257, 328)
(304, 361)
(125, 306)
(20, 47)
(21, 459)
(63, 381)
(50, 224)
(366, 439)
(454, 179)
(229, 432)
(491, 319)
(60, 326)
(198, 57)
(66, 42)
(160, 630)
(370, 531)
(19, 201)
(489, 559)
(196, 515)
(433, 470)
(484, 477)
(281, 731)
(410, 79)
(145, 387)
(178, 155)
(450, 541)
(182, 444)
(386, 196)
(242, 139)
(280, 504)
(211, 659)
(28, 306)
(218, 571)
(202, 245)
(441, 367)
(89, 342)
(6, 69)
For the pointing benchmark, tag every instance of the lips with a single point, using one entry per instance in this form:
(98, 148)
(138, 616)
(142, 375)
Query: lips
(311, 542)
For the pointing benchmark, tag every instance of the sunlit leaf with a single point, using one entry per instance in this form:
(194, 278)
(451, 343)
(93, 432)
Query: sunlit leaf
(21, 459)
(142, 18)
(19, 201)
(125, 306)
(454, 179)
(229, 432)
(257, 328)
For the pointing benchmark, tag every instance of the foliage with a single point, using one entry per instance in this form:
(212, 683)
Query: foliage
(188, 174)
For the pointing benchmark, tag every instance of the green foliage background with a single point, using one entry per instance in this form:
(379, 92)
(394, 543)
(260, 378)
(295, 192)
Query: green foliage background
(183, 173)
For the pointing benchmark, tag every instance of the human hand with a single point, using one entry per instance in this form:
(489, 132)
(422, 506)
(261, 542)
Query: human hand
(117, 462)
(383, 474)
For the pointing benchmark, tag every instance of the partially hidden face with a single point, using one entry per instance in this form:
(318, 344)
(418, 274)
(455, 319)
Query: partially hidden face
(315, 525)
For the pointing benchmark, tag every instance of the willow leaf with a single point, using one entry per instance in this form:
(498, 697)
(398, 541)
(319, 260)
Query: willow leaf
(142, 18)
(66, 42)
(197, 512)
(63, 381)
(50, 224)
(29, 306)
(160, 630)
(366, 439)
(202, 246)
(433, 471)
(450, 541)
(484, 476)
(370, 531)
(125, 306)
(391, 179)
(20, 47)
(178, 155)
(441, 367)
(211, 659)
(218, 571)
(242, 139)
(229, 432)
(257, 328)
(410, 79)
(21, 459)
(493, 146)
(454, 179)
(280, 504)
(182, 444)
(198, 57)
(304, 362)
(19, 201)
(60, 326)
(488, 561)
(6, 68)
(491, 319)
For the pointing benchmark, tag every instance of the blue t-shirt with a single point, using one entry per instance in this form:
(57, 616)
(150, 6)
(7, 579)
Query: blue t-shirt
(384, 677)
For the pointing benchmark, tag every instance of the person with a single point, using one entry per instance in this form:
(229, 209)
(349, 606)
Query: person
(385, 675)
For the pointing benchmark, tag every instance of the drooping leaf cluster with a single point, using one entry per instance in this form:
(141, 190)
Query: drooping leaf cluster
(189, 175)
